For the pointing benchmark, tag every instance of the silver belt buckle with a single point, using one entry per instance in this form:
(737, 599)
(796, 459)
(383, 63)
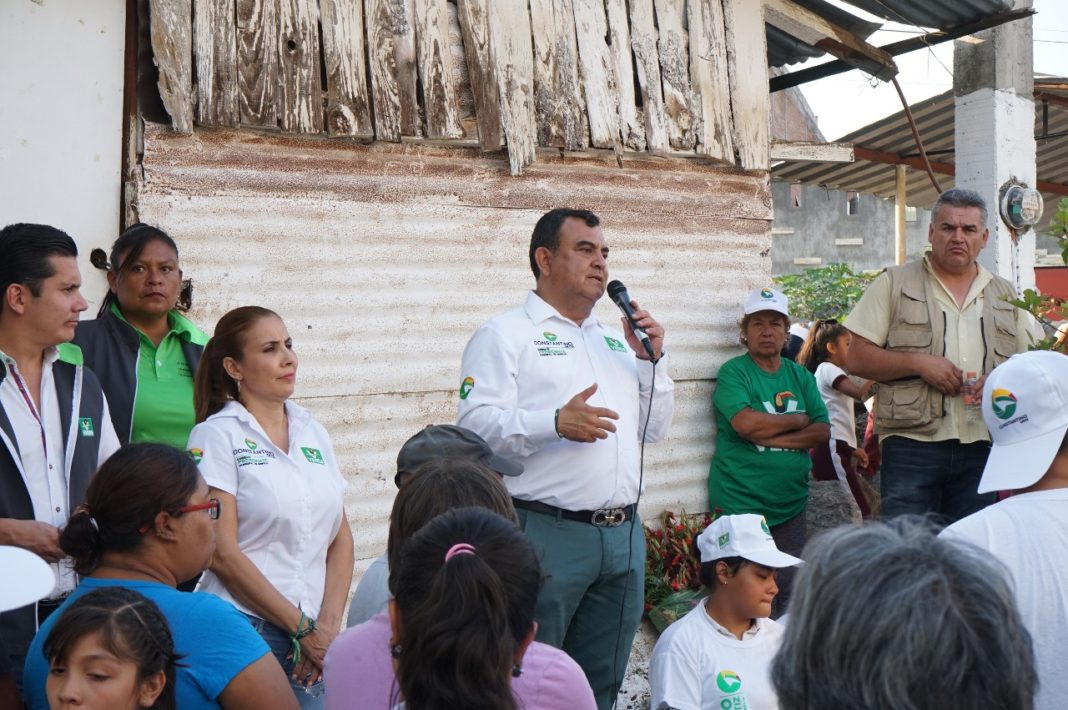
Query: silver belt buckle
(608, 517)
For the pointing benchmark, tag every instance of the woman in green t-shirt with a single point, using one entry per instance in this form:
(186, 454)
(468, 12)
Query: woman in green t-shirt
(768, 413)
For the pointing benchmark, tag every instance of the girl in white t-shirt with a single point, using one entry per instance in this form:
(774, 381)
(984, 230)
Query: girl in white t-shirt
(824, 354)
(284, 550)
(719, 654)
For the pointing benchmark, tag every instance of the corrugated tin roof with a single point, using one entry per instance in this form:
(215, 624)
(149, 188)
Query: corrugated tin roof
(935, 122)
(931, 14)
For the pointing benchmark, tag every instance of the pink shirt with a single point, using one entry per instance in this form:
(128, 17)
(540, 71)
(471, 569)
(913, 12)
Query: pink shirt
(358, 666)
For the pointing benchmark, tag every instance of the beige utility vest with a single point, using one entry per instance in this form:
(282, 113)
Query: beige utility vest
(918, 325)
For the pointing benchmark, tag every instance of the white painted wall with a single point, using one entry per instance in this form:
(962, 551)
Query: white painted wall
(992, 117)
(61, 75)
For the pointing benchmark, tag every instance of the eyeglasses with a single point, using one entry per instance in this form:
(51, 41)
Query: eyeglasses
(213, 506)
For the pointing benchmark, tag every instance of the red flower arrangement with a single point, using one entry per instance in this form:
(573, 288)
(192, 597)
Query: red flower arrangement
(671, 563)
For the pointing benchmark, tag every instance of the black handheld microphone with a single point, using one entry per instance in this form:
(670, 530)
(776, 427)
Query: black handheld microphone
(618, 293)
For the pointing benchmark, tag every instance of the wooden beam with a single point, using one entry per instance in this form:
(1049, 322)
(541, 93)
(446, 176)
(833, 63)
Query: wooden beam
(711, 85)
(598, 72)
(172, 48)
(348, 102)
(878, 156)
(215, 53)
(631, 127)
(812, 29)
(474, 27)
(561, 115)
(644, 43)
(750, 101)
(435, 70)
(820, 71)
(300, 100)
(807, 150)
(679, 99)
(512, 50)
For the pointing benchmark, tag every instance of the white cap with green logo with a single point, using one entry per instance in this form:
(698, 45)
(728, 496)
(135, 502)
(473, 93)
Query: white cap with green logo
(1025, 407)
(766, 299)
(746, 536)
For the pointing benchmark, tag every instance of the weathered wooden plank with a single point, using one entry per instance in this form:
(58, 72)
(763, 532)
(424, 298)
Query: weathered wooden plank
(807, 150)
(407, 71)
(644, 42)
(215, 51)
(746, 63)
(172, 47)
(300, 100)
(513, 54)
(474, 25)
(557, 92)
(631, 121)
(380, 20)
(598, 72)
(435, 70)
(711, 86)
(257, 61)
(348, 108)
(674, 47)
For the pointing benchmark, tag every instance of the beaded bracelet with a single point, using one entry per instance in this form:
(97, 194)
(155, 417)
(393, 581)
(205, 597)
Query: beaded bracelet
(305, 627)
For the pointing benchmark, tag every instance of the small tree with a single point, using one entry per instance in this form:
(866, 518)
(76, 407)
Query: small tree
(824, 292)
(1049, 308)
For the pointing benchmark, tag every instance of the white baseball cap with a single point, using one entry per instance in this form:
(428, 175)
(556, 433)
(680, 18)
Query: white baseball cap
(1025, 407)
(746, 536)
(26, 578)
(766, 299)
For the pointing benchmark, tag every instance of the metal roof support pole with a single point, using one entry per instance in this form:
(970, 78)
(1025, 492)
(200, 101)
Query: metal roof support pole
(900, 232)
(993, 86)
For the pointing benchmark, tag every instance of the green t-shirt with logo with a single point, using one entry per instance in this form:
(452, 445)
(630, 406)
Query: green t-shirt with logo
(746, 477)
(163, 403)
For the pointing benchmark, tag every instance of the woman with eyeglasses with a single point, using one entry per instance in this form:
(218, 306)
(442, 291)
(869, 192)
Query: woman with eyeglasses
(147, 523)
(285, 554)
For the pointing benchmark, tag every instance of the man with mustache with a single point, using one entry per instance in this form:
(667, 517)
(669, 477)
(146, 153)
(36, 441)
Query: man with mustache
(929, 332)
(548, 386)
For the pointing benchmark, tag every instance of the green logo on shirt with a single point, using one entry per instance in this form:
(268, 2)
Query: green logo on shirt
(728, 682)
(466, 386)
(85, 426)
(313, 455)
(250, 444)
(551, 337)
(614, 344)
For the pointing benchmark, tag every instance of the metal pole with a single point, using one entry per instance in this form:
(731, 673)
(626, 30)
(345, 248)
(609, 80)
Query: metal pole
(900, 235)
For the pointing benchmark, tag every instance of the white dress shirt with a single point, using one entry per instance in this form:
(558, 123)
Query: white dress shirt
(41, 456)
(289, 505)
(521, 366)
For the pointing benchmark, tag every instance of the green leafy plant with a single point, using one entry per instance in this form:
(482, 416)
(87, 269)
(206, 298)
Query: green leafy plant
(824, 292)
(1048, 309)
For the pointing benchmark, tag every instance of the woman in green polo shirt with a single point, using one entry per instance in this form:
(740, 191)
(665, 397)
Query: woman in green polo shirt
(768, 413)
(141, 348)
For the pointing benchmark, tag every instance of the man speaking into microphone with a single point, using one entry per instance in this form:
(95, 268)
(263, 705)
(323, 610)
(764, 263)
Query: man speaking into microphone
(548, 386)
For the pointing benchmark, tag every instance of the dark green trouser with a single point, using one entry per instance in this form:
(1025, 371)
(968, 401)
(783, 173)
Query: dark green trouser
(579, 608)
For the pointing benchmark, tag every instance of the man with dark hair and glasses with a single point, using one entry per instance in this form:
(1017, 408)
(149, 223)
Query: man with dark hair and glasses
(55, 429)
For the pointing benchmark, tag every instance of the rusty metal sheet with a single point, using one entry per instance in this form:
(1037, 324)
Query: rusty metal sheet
(383, 259)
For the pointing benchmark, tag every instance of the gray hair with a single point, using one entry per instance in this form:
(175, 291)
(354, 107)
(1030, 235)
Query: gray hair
(888, 616)
(959, 197)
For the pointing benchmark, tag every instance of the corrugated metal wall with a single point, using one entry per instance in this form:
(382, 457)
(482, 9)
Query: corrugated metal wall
(384, 258)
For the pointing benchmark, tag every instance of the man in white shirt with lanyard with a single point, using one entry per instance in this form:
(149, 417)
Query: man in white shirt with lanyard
(548, 386)
(55, 429)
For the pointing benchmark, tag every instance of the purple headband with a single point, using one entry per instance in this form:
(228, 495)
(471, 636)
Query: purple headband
(460, 548)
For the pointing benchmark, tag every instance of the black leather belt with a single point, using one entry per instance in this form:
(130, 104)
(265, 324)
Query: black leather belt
(602, 518)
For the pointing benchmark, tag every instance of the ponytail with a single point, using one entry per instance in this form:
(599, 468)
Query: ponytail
(814, 352)
(467, 589)
(135, 484)
(212, 386)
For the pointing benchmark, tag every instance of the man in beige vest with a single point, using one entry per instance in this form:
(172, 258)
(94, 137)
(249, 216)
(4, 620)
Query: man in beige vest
(929, 332)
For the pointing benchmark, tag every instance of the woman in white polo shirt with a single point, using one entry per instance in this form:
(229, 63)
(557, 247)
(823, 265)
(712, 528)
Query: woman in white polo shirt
(284, 551)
